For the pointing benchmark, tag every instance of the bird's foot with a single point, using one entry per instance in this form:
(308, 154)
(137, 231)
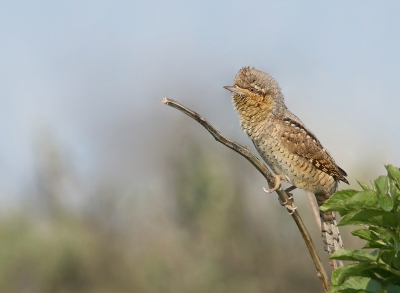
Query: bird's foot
(283, 203)
(292, 209)
(278, 179)
(288, 205)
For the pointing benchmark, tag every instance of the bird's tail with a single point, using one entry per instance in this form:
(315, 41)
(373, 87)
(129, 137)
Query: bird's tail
(330, 232)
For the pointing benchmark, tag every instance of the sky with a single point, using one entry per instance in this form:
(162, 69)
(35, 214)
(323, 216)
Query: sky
(91, 76)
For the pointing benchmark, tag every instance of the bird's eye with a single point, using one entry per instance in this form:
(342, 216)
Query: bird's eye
(251, 89)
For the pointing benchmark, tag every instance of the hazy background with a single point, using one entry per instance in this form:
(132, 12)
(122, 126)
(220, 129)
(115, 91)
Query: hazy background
(105, 189)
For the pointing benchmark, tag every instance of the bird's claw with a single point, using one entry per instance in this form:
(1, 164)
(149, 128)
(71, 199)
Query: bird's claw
(292, 209)
(269, 190)
(278, 179)
(282, 203)
(289, 206)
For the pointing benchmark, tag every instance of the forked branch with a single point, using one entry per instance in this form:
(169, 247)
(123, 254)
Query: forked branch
(261, 167)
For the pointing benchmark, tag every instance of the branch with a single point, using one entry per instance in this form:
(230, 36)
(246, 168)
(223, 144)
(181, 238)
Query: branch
(314, 208)
(245, 152)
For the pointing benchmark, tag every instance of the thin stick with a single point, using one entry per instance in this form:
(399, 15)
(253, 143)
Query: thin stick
(289, 203)
(314, 208)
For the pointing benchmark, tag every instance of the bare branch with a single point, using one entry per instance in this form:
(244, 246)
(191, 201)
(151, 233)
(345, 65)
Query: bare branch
(262, 168)
(314, 208)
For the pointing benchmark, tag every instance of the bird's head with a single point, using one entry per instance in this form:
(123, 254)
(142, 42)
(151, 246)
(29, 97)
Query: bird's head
(252, 82)
(255, 91)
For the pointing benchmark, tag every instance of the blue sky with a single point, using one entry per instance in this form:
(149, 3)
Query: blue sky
(93, 73)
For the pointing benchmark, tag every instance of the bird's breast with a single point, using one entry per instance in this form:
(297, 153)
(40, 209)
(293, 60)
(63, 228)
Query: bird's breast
(298, 170)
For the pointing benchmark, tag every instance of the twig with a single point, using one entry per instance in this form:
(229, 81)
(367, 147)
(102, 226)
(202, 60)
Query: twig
(245, 152)
(314, 208)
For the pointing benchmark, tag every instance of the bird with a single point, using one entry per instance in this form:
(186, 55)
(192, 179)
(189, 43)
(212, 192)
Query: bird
(288, 147)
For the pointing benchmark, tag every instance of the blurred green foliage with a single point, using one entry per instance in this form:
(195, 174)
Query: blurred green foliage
(197, 235)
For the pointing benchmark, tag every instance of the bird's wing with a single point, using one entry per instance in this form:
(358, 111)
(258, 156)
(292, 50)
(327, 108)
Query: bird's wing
(299, 140)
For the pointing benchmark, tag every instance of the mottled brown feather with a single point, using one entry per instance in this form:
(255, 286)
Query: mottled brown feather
(286, 145)
(302, 142)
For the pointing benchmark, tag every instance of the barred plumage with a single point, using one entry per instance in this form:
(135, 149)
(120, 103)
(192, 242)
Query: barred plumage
(286, 145)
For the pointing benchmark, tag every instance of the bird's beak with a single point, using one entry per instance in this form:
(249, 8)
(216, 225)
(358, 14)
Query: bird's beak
(233, 89)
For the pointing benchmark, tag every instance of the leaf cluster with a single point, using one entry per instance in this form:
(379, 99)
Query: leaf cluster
(376, 208)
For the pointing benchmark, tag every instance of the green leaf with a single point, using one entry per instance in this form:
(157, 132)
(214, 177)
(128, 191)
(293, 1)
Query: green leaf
(354, 255)
(393, 191)
(393, 289)
(382, 184)
(396, 262)
(342, 273)
(363, 200)
(370, 217)
(384, 199)
(355, 284)
(370, 236)
(372, 244)
(387, 255)
(383, 233)
(359, 200)
(394, 173)
(338, 200)
(363, 185)
(383, 269)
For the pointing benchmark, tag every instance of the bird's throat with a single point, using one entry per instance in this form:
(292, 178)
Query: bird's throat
(252, 111)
